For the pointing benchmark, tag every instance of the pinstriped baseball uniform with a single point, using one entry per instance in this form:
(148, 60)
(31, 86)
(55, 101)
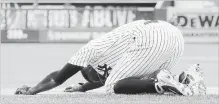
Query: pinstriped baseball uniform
(137, 49)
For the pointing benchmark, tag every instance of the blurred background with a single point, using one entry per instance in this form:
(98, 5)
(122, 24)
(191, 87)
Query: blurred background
(40, 36)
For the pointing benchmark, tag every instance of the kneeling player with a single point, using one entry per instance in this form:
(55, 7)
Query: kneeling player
(138, 49)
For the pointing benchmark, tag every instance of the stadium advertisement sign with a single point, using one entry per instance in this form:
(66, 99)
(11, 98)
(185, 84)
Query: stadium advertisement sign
(64, 36)
(19, 36)
(74, 22)
(199, 25)
(195, 22)
(74, 16)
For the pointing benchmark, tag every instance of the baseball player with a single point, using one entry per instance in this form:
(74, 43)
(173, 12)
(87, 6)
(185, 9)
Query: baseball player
(129, 57)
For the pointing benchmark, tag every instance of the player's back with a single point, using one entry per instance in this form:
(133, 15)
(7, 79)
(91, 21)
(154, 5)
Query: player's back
(127, 30)
(109, 39)
(142, 33)
(135, 28)
(112, 45)
(116, 41)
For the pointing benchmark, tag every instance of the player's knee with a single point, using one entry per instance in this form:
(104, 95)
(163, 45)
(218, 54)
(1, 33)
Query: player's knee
(118, 86)
(122, 86)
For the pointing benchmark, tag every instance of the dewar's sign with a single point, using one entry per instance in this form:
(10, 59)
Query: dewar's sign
(200, 21)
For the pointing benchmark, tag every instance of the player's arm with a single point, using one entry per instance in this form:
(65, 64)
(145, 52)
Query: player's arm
(54, 79)
(90, 86)
(95, 80)
(83, 87)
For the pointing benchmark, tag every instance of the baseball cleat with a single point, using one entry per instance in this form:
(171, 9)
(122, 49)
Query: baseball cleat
(192, 75)
(193, 78)
(166, 82)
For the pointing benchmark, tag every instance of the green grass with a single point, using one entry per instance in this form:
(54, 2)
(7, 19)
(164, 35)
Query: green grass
(100, 98)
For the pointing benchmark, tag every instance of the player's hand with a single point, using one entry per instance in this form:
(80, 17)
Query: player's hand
(74, 88)
(24, 90)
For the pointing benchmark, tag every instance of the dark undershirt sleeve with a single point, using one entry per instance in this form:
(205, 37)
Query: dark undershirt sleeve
(66, 72)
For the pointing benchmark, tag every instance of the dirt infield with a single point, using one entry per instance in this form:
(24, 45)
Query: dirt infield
(99, 98)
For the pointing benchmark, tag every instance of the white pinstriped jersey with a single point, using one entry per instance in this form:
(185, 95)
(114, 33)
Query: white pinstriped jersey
(95, 49)
(136, 49)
